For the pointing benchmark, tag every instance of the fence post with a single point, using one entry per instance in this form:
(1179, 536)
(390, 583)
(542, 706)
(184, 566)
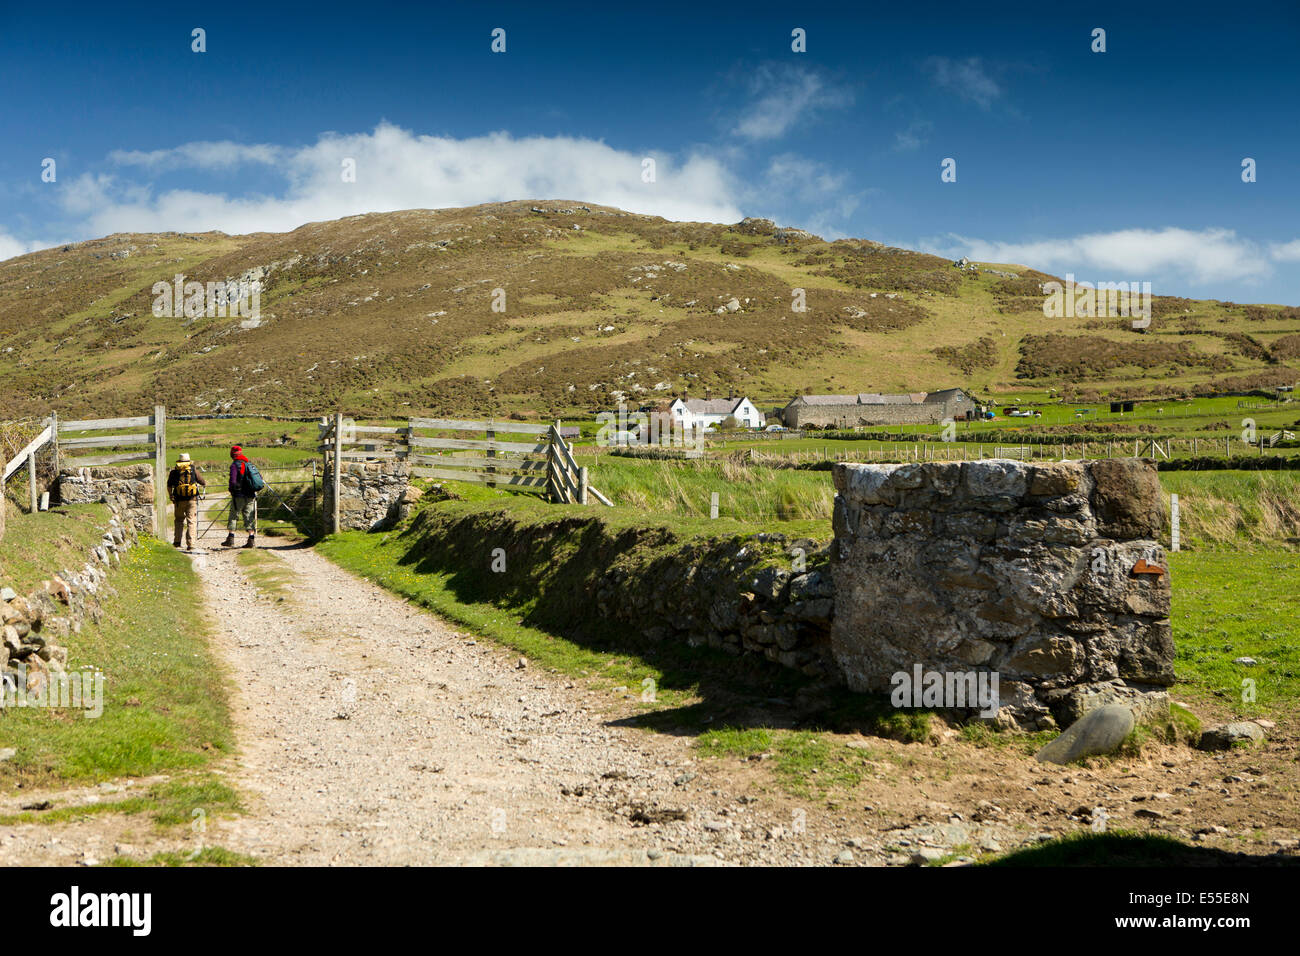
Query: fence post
(1173, 523)
(713, 505)
(338, 472)
(582, 485)
(490, 454)
(31, 483)
(552, 490)
(54, 441)
(160, 468)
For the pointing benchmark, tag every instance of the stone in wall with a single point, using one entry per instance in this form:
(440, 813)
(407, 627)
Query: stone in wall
(126, 487)
(1023, 569)
(373, 495)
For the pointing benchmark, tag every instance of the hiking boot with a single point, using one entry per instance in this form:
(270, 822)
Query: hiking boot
(249, 542)
(177, 544)
(230, 541)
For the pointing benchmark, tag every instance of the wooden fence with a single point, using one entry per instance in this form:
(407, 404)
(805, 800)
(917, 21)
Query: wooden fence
(27, 456)
(567, 482)
(488, 453)
(487, 460)
(155, 438)
(77, 442)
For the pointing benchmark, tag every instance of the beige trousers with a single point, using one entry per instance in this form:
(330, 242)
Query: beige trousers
(187, 522)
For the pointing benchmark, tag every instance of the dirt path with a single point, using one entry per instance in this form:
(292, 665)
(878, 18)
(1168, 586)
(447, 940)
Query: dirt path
(373, 733)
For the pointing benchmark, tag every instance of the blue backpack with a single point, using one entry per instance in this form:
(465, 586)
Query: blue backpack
(252, 481)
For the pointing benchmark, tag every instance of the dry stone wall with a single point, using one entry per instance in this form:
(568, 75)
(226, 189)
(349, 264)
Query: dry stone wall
(1034, 572)
(36, 625)
(128, 488)
(730, 595)
(758, 595)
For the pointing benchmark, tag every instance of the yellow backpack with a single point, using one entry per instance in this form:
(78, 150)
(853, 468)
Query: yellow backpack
(186, 486)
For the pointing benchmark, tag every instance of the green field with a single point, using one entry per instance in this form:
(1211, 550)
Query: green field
(1237, 604)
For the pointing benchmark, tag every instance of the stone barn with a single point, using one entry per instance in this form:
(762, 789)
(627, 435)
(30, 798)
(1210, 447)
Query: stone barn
(876, 408)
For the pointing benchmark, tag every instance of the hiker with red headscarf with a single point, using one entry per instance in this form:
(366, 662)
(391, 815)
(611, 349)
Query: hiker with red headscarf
(244, 482)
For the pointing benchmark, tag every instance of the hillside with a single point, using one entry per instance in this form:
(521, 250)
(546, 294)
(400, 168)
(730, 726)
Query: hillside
(390, 311)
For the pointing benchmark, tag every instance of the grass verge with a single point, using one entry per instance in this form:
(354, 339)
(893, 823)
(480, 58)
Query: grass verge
(170, 803)
(208, 856)
(1124, 848)
(268, 573)
(164, 705)
(38, 545)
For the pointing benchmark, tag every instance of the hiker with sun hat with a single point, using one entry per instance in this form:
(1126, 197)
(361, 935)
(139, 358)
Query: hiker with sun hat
(185, 486)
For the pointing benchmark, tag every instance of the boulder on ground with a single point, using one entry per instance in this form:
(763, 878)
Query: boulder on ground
(1098, 732)
(1224, 736)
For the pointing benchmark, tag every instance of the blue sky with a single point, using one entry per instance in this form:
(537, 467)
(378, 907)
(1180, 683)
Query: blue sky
(1122, 165)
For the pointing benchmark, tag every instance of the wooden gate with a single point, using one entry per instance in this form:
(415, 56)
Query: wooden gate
(452, 449)
(457, 450)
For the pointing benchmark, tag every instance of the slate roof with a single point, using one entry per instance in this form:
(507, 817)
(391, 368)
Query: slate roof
(713, 406)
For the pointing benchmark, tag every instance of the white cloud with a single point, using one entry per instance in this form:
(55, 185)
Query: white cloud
(397, 169)
(11, 246)
(914, 137)
(967, 78)
(783, 98)
(795, 190)
(1286, 252)
(1208, 255)
(805, 179)
(201, 155)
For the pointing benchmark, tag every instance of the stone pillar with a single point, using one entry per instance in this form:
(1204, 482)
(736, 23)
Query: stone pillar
(372, 495)
(1049, 574)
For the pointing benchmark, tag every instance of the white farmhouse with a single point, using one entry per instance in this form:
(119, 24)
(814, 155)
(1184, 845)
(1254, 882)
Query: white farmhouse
(709, 413)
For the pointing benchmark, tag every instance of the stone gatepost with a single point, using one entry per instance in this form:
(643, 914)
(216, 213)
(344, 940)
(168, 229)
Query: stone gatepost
(1050, 575)
(373, 495)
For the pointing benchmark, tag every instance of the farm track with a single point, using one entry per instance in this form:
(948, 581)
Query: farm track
(371, 732)
(374, 733)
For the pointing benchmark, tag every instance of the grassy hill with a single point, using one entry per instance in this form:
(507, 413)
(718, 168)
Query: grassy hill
(390, 311)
